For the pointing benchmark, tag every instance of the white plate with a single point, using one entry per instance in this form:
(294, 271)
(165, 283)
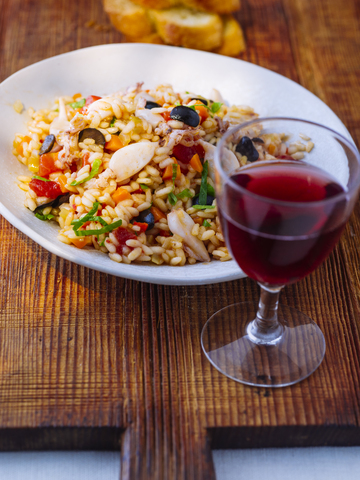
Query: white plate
(105, 69)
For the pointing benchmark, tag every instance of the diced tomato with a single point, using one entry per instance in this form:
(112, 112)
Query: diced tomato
(166, 115)
(45, 189)
(122, 235)
(184, 154)
(143, 226)
(85, 159)
(47, 164)
(285, 157)
(164, 233)
(90, 99)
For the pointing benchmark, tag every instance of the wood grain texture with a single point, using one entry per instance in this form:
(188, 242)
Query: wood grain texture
(89, 360)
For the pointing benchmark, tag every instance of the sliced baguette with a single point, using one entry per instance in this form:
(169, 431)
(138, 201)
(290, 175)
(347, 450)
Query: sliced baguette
(152, 38)
(128, 18)
(187, 28)
(158, 4)
(233, 38)
(214, 6)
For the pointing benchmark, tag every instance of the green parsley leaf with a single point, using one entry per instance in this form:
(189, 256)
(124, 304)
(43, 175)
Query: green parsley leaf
(113, 122)
(210, 190)
(44, 218)
(108, 228)
(203, 207)
(102, 244)
(215, 107)
(94, 171)
(185, 193)
(79, 222)
(174, 172)
(41, 178)
(203, 186)
(172, 198)
(78, 104)
(206, 224)
(143, 186)
(89, 217)
(177, 104)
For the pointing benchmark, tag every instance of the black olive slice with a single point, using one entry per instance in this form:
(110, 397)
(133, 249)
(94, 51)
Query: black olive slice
(202, 100)
(186, 115)
(145, 217)
(94, 134)
(246, 147)
(56, 202)
(149, 105)
(257, 140)
(209, 200)
(48, 144)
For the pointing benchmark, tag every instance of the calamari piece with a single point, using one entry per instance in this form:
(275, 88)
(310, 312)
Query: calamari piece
(180, 223)
(60, 123)
(230, 162)
(216, 96)
(131, 159)
(144, 96)
(153, 118)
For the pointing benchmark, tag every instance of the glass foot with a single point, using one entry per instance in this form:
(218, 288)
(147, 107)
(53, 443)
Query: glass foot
(294, 356)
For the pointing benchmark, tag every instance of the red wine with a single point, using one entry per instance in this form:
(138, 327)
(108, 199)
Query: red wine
(277, 243)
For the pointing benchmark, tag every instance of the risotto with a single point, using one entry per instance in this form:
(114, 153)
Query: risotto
(131, 174)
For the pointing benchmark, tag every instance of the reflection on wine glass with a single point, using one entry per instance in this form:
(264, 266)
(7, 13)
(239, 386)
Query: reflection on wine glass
(281, 218)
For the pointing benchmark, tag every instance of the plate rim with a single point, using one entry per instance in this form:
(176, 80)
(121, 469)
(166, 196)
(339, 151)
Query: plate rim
(129, 274)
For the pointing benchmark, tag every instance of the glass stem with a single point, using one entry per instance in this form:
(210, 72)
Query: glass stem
(265, 328)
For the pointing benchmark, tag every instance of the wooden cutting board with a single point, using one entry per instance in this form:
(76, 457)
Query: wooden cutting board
(91, 361)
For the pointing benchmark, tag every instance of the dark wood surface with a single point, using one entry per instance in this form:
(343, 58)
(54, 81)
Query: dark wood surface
(88, 360)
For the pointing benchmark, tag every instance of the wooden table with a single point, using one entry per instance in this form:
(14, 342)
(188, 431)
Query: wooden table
(89, 360)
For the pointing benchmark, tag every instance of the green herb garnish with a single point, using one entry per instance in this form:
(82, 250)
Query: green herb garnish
(215, 107)
(204, 184)
(143, 186)
(185, 193)
(102, 244)
(89, 217)
(210, 190)
(113, 122)
(108, 228)
(94, 171)
(172, 198)
(203, 207)
(78, 104)
(41, 178)
(43, 217)
(206, 224)
(174, 172)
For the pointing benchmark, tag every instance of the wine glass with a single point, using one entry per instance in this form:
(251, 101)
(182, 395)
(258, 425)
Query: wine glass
(281, 216)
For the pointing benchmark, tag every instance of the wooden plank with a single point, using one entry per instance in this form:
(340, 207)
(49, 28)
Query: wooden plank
(92, 361)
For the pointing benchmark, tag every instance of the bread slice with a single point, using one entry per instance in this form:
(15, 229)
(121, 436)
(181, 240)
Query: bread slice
(152, 38)
(214, 6)
(158, 4)
(187, 28)
(128, 18)
(233, 38)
